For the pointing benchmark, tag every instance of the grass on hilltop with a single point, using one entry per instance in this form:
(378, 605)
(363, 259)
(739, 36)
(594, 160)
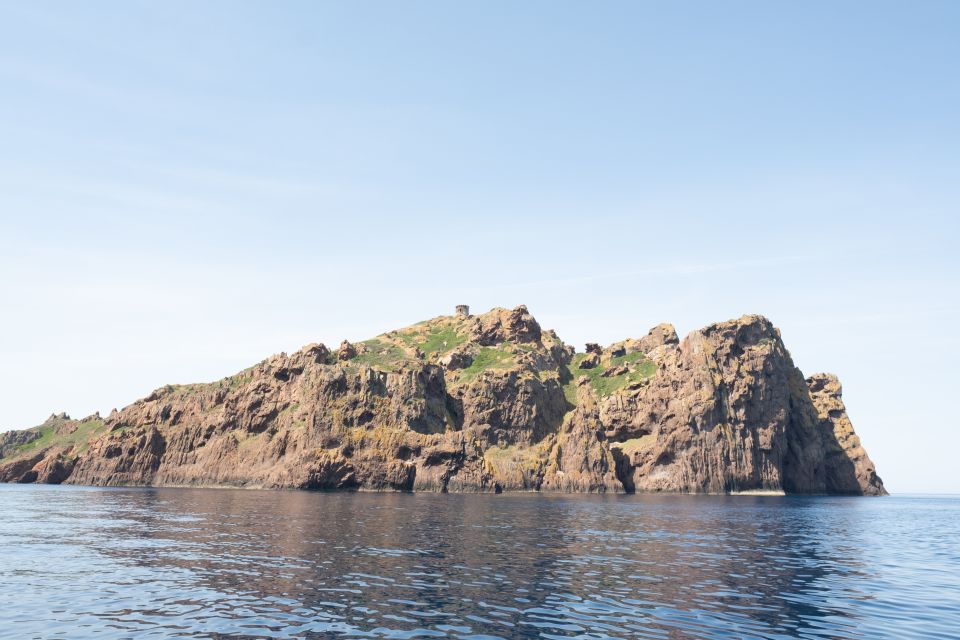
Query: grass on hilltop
(441, 340)
(49, 436)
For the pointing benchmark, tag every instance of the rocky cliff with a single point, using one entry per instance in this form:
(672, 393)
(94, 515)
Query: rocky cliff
(480, 403)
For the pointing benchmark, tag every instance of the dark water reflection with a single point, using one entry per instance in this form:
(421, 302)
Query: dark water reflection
(80, 562)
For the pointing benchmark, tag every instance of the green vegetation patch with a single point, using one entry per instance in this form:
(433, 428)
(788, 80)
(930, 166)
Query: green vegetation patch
(380, 354)
(441, 340)
(187, 390)
(239, 380)
(86, 431)
(639, 367)
(49, 436)
(432, 336)
(568, 380)
(488, 358)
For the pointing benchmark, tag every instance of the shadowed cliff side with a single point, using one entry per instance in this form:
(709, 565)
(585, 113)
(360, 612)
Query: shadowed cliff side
(480, 403)
(849, 469)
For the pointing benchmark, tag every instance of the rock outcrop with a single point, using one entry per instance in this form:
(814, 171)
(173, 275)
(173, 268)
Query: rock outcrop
(849, 469)
(490, 402)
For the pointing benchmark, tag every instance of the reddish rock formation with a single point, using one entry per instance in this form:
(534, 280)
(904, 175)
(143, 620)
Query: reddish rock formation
(480, 403)
(346, 351)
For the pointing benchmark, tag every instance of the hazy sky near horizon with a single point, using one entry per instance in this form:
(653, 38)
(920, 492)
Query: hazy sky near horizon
(188, 187)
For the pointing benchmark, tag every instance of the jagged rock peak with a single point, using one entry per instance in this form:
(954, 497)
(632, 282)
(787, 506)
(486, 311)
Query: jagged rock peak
(825, 383)
(746, 330)
(505, 325)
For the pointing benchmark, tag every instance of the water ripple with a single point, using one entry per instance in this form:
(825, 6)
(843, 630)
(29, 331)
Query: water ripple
(81, 562)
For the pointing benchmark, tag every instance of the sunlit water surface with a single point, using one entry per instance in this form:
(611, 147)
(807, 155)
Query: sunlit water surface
(78, 562)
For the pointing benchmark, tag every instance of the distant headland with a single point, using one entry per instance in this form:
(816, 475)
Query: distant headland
(480, 403)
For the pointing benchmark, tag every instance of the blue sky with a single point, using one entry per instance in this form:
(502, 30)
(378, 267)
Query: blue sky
(188, 187)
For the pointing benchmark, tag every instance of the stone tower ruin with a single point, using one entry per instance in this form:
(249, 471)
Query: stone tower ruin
(463, 310)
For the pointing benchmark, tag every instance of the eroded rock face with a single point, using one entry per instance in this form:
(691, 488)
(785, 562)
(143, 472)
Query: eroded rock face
(481, 403)
(11, 442)
(719, 416)
(848, 468)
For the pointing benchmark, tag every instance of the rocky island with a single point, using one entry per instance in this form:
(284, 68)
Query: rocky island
(483, 403)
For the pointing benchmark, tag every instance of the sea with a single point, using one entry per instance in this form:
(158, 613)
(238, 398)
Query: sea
(84, 562)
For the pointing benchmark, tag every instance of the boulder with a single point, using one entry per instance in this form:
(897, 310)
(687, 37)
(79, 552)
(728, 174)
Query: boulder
(346, 351)
(589, 361)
